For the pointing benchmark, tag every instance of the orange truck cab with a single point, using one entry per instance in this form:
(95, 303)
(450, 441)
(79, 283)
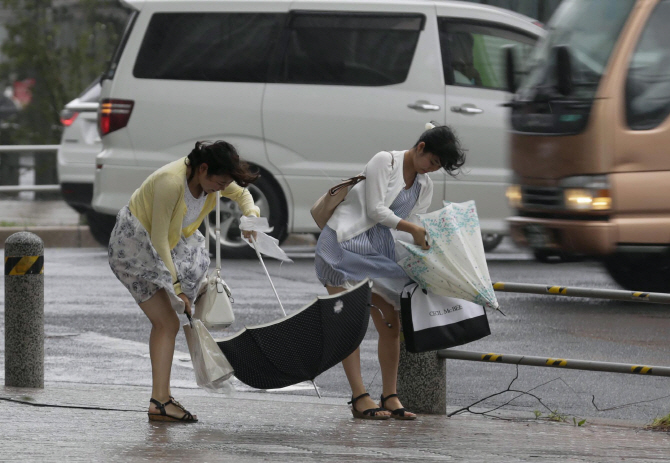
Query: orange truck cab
(590, 142)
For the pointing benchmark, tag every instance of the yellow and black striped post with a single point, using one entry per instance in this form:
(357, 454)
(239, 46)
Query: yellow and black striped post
(24, 310)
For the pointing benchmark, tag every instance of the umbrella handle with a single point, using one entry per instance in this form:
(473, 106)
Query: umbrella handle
(253, 240)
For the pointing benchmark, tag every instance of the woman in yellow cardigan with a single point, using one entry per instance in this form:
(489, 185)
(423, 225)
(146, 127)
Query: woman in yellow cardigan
(159, 255)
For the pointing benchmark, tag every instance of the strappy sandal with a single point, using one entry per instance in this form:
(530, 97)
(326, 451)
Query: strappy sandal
(398, 413)
(163, 415)
(370, 413)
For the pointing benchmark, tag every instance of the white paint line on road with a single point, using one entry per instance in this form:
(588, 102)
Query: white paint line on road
(181, 359)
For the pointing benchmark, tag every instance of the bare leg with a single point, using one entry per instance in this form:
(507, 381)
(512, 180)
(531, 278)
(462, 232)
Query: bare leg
(164, 329)
(388, 348)
(352, 368)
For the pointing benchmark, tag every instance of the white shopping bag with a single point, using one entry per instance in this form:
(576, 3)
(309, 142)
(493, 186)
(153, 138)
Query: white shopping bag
(212, 370)
(432, 321)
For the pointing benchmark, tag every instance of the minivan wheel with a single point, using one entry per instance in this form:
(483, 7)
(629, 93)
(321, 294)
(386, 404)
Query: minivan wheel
(269, 198)
(640, 272)
(101, 226)
(491, 241)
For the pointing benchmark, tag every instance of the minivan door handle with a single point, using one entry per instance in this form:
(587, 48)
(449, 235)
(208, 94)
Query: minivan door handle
(466, 109)
(423, 105)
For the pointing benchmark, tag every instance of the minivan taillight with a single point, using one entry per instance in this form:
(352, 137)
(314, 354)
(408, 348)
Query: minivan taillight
(68, 117)
(113, 115)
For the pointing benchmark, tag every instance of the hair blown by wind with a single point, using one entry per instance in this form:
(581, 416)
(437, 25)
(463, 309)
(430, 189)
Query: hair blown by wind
(442, 141)
(221, 158)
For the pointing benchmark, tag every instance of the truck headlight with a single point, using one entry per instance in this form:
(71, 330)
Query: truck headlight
(513, 194)
(587, 193)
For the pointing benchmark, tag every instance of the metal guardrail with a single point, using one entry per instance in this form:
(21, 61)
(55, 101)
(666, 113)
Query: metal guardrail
(27, 148)
(20, 188)
(588, 365)
(35, 149)
(612, 294)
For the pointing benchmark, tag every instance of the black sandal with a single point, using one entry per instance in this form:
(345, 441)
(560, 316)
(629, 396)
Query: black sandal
(163, 416)
(398, 413)
(370, 413)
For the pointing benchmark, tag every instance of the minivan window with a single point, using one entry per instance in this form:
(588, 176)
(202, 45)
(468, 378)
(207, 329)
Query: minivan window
(473, 53)
(648, 82)
(589, 28)
(350, 49)
(223, 47)
(114, 62)
(92, 93)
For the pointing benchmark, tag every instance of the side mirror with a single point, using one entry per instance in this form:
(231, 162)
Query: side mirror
(510, 68)
(563, 70)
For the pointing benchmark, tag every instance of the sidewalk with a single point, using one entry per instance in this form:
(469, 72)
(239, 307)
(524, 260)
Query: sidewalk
(59, 225)
(54, 221)
(288, 428)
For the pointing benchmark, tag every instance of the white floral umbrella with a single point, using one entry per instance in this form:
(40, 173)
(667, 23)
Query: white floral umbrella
(455, 264)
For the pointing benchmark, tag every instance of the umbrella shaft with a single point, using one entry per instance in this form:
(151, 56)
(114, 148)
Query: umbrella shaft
(253, 240)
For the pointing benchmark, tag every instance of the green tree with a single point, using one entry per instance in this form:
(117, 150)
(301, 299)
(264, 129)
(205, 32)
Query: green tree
(63, 46)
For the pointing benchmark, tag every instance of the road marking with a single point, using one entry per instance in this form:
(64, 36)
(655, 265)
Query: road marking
(180, 359)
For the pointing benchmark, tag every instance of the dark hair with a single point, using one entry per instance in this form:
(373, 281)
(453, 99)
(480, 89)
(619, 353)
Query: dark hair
(221, 158)
(443, 142)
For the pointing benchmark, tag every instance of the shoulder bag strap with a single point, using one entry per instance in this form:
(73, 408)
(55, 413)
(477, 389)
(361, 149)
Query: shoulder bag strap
(346, 183)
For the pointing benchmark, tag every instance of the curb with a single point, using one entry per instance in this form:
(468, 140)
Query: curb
(72, 236)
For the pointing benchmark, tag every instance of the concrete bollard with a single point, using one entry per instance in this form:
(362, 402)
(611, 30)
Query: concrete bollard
(24, 310)
(422, 382)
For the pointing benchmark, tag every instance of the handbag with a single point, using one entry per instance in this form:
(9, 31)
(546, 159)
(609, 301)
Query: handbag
(214, 304)
(324, 207)
(432, 322)
(211, 367)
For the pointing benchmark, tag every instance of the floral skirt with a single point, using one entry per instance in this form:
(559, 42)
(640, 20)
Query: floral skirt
(138, 266)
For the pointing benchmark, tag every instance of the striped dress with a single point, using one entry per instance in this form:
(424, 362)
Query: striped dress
(368, 255)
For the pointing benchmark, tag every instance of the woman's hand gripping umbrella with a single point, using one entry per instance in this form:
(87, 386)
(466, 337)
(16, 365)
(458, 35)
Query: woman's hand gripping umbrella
(455, 264)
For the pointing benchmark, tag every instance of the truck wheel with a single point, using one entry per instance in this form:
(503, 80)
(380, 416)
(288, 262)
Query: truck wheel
(101, 226)
(269, 198)
(491, 241)
(640, 272)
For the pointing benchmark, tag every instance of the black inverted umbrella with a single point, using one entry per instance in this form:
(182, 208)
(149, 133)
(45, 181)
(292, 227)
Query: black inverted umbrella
(302, 345)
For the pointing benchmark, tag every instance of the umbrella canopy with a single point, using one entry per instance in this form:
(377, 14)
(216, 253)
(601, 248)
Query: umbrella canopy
(455, 264)
(302, 345)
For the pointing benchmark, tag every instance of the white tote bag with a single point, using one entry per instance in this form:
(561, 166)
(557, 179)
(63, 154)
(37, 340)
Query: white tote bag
(212, 370)
(213, 307)
(432, 322)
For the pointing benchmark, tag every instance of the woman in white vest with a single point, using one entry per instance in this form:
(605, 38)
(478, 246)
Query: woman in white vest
(357, 243)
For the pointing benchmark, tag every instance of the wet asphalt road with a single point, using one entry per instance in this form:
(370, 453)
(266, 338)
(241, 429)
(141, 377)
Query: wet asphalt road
(97, 335)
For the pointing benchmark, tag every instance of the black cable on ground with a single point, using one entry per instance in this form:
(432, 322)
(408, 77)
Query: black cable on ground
(78, 407)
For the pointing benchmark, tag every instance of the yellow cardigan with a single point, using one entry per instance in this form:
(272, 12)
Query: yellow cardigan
(160, 207)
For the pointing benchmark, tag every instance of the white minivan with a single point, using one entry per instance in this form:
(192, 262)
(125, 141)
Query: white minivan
(308, 91)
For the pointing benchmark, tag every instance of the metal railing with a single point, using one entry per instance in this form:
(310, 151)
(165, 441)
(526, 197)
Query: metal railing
(588, 365)
(565, 291)
(35, 149)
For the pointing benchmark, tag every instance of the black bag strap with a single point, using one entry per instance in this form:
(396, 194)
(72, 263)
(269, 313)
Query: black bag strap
(417, 286)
